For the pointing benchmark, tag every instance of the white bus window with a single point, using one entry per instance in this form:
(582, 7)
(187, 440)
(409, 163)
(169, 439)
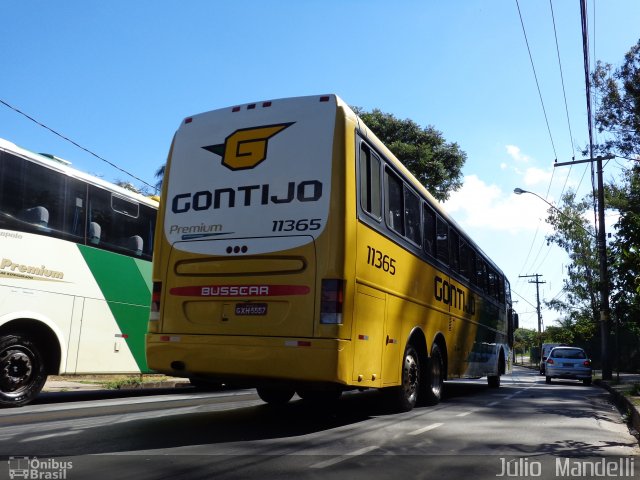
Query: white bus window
(32, 197)
(119, 231)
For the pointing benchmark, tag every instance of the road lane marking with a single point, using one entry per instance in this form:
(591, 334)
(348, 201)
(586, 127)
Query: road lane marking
(51, 435)
(342, 458)
(464, 414)
(492, 404)
(425, 429)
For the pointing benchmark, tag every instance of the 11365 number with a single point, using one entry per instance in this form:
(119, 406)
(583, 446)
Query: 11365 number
(379, 260)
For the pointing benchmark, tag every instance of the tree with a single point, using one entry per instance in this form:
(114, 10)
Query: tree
(579, 303)
(526, 340)
(424, 151)
(618, 114)
(159, 174)
(129, 186)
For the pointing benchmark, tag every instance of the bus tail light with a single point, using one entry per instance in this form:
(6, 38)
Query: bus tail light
(154, 314)
(331, 299)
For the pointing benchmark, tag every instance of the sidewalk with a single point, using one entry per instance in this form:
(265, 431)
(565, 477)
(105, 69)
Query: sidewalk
(625, 391)
(73, 383)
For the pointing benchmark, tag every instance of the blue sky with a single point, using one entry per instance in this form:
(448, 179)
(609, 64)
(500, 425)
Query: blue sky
(118, 77)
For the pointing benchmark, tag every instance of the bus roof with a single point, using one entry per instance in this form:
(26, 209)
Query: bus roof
(63, 166)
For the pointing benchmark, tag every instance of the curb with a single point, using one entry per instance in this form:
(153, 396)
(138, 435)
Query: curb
(625, 405)
(75, 386)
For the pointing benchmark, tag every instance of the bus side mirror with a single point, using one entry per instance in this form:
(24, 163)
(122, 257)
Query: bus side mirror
(516, 321)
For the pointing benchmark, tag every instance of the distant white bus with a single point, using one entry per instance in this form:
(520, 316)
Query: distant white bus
(75, 273)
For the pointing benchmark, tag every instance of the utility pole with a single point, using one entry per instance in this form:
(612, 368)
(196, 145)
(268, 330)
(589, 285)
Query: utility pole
(604, 278)
(537, 282)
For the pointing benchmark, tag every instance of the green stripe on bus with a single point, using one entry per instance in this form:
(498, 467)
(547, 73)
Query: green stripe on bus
(125, 283)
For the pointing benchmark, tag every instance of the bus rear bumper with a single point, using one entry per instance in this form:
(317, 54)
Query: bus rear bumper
(249, 360)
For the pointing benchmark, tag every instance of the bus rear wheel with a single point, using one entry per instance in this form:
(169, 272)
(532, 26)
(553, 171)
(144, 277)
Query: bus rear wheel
(275, 396)
(435, 378)
(22, 371)
(405, 396)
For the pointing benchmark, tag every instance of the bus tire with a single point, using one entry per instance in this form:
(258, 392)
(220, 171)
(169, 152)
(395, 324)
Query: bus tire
(22, 370)
(275, 396)
(432, 393)
(405, 396)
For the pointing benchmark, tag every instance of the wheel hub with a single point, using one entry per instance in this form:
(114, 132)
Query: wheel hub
(411, 378)
(15, 370)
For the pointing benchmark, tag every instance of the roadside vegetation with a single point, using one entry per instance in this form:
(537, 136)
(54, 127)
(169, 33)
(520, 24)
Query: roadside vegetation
(617, 120)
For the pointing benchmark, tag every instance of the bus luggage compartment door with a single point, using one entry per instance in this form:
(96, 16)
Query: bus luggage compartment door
(262, 295)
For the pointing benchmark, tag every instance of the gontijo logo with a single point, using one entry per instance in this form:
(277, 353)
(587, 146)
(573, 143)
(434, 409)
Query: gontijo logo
(247, 147)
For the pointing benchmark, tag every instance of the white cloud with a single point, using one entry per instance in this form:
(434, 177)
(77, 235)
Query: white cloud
(515, 153)
(536, 176)
(478, 205)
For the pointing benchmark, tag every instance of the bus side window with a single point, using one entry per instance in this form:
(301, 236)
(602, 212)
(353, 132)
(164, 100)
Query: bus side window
(454, 250)
(481, 272)
(465, 252)
(74, 214)
(442, 240)
(30, 198)
(412, 224)
(395, 208)
(370, 189)
(429, 242)
(472, 272)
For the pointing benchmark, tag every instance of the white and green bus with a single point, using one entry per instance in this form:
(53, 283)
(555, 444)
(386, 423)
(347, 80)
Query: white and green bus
(75, 273)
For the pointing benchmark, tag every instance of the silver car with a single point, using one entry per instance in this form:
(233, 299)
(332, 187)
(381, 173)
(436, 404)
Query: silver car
(568, 362)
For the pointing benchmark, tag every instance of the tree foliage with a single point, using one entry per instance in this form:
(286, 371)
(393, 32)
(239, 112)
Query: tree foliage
(574, 234)
(618, 119)
(618, 114)
(526, 340)
(625, 249)
(436, 163)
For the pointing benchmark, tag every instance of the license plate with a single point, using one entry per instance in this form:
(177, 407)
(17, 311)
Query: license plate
(567, 364)
(251, 309)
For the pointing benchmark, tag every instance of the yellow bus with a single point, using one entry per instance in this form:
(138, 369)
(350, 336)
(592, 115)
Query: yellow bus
(295, 254)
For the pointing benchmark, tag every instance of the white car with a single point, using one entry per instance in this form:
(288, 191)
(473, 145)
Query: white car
(568, 363)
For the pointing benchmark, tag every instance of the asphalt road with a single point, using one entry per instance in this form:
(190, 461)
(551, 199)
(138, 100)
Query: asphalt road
(519, 430)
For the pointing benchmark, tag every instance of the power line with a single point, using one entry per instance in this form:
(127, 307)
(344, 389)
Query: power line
(564, 92)
(15, 109)
(536, 78)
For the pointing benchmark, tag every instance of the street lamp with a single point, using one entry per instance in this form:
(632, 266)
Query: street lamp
(604, 282)
(520, 191)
